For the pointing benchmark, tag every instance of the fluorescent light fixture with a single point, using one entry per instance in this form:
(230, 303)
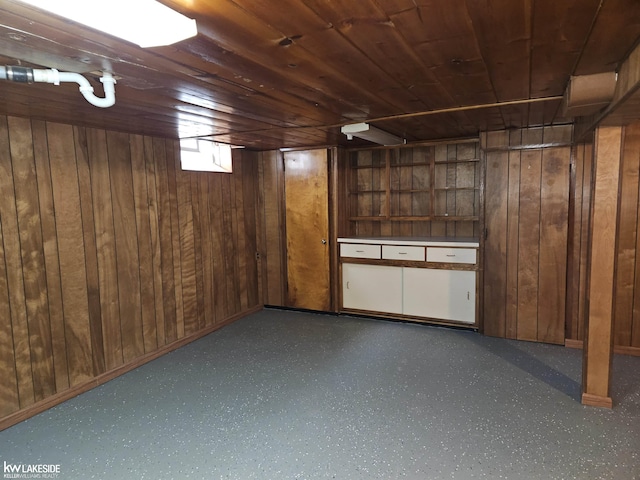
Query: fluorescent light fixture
(147, 23)
(370, 133)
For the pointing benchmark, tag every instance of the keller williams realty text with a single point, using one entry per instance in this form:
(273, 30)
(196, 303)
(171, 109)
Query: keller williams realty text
(10, 468)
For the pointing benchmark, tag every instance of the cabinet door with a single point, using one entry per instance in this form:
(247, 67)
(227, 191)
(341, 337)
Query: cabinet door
(442, 294)
(372, 287)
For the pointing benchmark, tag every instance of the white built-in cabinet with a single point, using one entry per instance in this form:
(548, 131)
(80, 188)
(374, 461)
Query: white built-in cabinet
(372, 287)
(421, 279)
(438, 293)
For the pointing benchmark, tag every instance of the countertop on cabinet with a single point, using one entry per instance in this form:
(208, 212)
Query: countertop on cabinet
(418, 241)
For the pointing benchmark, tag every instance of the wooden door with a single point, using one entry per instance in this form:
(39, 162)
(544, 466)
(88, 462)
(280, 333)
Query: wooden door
(307, 224)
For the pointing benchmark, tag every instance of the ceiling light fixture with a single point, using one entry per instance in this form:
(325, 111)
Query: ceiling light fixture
(371, 133)
(147, 23)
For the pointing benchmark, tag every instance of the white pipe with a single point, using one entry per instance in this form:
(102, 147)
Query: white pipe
(51, 75)
(54, 76)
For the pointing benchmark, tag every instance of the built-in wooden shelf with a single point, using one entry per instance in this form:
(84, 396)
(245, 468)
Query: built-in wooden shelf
(434, 189)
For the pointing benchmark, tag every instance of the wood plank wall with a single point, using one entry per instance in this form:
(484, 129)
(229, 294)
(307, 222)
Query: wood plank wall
(110, 254)
(578, 251)
(626, 314)
(526, 218)
(271, 226)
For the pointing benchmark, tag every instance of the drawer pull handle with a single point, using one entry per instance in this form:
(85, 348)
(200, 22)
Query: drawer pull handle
(402, 253)
(359, 251)
(451, 255)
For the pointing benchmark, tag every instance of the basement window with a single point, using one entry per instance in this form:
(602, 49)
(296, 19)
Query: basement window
(200, 155)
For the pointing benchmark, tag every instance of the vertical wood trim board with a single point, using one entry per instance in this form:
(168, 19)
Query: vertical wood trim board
(109, 253)
(578, 252)
(273, 229)
(604, 214)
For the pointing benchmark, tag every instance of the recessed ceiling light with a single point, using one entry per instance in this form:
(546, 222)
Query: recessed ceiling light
(147, 23)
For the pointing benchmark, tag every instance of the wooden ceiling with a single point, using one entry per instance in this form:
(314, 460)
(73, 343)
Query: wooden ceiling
(287, 73)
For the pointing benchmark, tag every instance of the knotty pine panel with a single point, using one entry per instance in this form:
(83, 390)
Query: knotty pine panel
(110, 255)
(527, 204)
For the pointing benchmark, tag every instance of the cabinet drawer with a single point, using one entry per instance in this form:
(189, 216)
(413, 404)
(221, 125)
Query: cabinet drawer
(451, 255)
(396, 252)
(359, 250)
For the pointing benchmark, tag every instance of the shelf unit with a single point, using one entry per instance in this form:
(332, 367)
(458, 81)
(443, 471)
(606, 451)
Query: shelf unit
(426, 190)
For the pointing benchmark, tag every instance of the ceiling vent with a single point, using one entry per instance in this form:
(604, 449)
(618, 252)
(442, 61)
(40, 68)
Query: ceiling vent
(586, 94)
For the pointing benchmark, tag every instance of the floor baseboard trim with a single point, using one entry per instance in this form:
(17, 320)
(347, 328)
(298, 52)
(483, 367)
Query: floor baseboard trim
(596, 400)
(76, 390)
(619, 349)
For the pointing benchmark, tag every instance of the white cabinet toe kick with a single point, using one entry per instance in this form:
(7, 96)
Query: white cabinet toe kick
(431, 280)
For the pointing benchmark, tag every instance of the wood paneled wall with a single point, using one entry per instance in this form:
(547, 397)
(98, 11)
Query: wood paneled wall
(626, 314)
(110, 254)
(578, 248)
(271, 225)
(526, 205)
(626, 311)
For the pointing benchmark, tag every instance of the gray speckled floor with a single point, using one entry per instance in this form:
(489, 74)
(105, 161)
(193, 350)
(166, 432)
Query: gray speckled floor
(289, 395)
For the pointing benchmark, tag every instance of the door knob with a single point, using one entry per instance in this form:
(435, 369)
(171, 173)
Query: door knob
(324, 241)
